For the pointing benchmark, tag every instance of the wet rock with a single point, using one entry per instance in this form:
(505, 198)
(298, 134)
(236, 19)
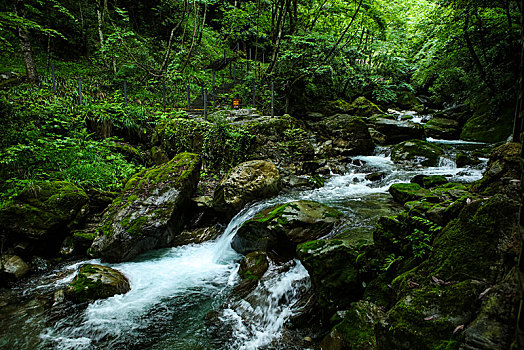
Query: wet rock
(417, 152)
(198, 235)
(95, 282)
(408, 100)
(248, 181)
(442, 128)
(362, 107)
(397, 131)
(150, 211)
(349, 134)
(356, 330)
(333, 270)
(462, 160)
(406, 192)
(41, 216)
(68, 247)
(377, 176)
(429, 181)
(253, 265)
(282, 227)
(12, 268)
(494, 326)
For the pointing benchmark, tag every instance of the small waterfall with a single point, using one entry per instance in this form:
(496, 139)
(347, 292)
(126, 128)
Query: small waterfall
(447, 163)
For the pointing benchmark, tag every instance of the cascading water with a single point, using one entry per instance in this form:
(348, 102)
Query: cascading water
(173, 290)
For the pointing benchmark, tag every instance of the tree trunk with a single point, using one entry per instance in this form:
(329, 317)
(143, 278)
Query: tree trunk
(25, 46)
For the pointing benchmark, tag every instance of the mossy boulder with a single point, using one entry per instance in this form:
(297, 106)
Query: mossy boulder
(42, 216)
(253, 265)
(406, 192)
(417, 152)
(464, 159)
(249, 181)
(503, 169)
(282, 227)
(363, 107)
(349, 135)
(408, 100)
(150, 211)
(488, 126)
(442, 128)
(395, 131)
(427, 317)
(332, 266)
(429, 181)
(198, 235)
(95, 282)
(356, 330)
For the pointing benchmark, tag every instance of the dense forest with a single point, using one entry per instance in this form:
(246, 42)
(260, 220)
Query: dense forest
(128, 126)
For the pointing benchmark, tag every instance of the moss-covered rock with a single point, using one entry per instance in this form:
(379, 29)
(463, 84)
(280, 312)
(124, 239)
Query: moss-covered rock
(198, 235)
(408, 100)
(463, 159)
(282, 227)
(349, 135)
(395, 131)
(406, 192)
(150, 211)
(253, 265)
(363, 107)
(426, 317)
(486, 126)
(252, 180)
(95, 282)
(429, 181)
(442, 128)
(332, 266)
(418, 152)
(503, 169)
(356, 330)
(42, 215)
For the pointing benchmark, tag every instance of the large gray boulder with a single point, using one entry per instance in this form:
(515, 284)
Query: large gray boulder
(96, 282)
(349, 135)
(417, 152)
(395, 131)
(282, 227)
(249, 181)
(150, 211)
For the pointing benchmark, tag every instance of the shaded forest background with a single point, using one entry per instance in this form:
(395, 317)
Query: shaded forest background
(447, 53)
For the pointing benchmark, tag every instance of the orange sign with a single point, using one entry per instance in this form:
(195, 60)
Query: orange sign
(236, 102)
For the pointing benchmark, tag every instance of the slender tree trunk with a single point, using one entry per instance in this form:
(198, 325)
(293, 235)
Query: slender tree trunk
(280, 26)
(25, 45)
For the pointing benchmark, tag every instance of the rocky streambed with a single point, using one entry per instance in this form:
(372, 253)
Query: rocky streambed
(333, 243)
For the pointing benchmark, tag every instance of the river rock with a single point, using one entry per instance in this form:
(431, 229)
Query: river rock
(253, 265)
(41, 216)
(486, 126)
(429, 181)
(282, 227)
(463, 159)
(198, 235)
(349, 135)
(333, 270)
(406, 192)
(396, 131)
(252, 180)
(418, 152)
(12, 268)
(150, 211)
(442, 128)
(95, 282)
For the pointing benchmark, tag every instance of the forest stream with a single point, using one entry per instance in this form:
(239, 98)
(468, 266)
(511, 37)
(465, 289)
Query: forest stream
(175, 290)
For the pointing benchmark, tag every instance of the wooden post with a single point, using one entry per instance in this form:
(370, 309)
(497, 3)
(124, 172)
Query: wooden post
(188, 97)
(53, 77)
(250, 53)
(164, 95)
(254, 90)
(125, 93)
(80, 90)
(272, 99)
(205, 104)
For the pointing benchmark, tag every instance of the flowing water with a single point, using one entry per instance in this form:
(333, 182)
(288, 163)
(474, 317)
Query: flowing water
(174, 291)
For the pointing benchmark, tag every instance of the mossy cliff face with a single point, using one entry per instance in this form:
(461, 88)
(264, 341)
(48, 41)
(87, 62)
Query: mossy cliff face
(42, 216)
(282, 227)
(96, 282)
(150, 211)
(485, 126)
(252, 180)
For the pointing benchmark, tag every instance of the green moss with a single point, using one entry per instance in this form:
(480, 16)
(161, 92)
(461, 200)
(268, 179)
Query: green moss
(136, 226)
(311, 245)
(84, 235)
(424, 152)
